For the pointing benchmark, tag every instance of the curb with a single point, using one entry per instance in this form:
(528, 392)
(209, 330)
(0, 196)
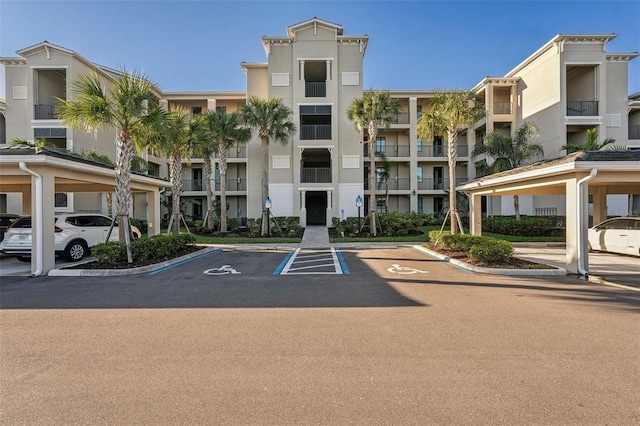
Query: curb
(66, 272)
(496, 271)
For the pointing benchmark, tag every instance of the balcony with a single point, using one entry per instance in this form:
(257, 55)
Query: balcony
(393, 183)
(402, 118)
(634, 131)
(315, 175)
(390, 151)
(441, 151)
(237, 184)
(44, 112)
(436, 184)
(315, 89)
(582, 108)
(193, 185)
(237, 152)
(502, 107)
(315, 131)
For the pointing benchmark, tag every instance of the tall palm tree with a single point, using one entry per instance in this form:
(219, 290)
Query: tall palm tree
(176, 136)
(374, 111)
(271, 119)
(451, 112)
(129, 107)
(206, 150)
(225, 129)
(590, 144)
(510, 152)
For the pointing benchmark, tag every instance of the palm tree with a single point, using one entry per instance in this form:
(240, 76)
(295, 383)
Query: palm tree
(451, 113)
(38, 143)
(206, 150)
(374, 111)
(129, 107)
(509, 153)
(176, 136)
(271, 119)
(590, 144)
(225, 129)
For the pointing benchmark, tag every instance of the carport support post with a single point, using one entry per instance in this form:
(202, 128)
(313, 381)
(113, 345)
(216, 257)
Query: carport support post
(44, 225)
(475, 209)
(153, 213)
(572, 224)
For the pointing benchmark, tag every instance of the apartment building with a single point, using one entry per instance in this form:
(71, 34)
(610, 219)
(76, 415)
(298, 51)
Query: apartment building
(569, 85)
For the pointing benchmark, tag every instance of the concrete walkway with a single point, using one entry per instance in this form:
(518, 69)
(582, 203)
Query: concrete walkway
(315, 237)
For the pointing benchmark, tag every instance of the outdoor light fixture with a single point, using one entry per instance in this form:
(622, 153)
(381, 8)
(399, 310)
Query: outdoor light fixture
(267, 205)
(358, 205)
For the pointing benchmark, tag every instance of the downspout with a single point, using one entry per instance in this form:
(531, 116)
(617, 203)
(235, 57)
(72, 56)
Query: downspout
(37, 217)
(581, 222)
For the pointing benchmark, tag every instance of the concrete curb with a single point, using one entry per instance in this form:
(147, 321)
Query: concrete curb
(66, 272)
(497, 271)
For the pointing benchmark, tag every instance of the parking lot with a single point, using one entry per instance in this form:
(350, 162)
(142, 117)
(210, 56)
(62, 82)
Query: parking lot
(401, 339)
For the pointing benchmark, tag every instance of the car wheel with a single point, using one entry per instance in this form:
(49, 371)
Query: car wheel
(23, 258)
(75, 251)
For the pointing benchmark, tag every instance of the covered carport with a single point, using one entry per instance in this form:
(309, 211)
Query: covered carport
(38, 174)
(576, 176)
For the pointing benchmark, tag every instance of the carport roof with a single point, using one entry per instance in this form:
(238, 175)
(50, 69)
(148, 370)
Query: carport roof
(618, 170)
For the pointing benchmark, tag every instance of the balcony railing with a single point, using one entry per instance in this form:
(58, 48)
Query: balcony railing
(432, 184)
(393, 183)
(237, 152)
(198, 185)
(402, 118)
(502, 107)
(582, 108)
(193, 185)
(390, 151)
(441, 151)
(237, 184)
(315, 131)
(315, 89)
(634, 131)
(315, 175)
(44, 112)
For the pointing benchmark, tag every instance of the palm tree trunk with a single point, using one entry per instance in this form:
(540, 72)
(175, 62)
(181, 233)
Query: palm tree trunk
(516, 206)
(208, 174)
(265, 182)
(372, 187)
(175, 171)
(222, 150)
(124, 153)
(452, 154)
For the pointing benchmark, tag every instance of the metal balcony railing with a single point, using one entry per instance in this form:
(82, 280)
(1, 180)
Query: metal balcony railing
(237, 152)
(315, 89)
(192, 185)
(315, 175)
(441, 151)
(432, 184)
(402, 118)
(44, 112)
(237, 184)
(582, 108)
(502, 107)
(390, 151)
(634, 131)
(315, 131)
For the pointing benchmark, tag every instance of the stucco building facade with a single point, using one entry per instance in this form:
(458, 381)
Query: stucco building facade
(569, 85)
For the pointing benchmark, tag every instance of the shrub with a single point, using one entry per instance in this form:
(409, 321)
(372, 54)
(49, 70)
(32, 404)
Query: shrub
(460, 242)
(527, 226)
(154, 248)
(491, 250)
(436, 236)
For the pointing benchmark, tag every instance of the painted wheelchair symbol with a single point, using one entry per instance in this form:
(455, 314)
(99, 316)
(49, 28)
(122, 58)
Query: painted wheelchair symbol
(223, 270)
(405, 270)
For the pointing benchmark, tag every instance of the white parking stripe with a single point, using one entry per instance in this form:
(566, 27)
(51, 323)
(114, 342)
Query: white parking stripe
(307, 263)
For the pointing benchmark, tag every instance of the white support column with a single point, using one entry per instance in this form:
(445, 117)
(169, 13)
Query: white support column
(328, 70)
(301, 70)
(211, 104)
(303, 201)
(153, 212)
(164, 105)
(475, 210)
(329, 200)
(572, 224)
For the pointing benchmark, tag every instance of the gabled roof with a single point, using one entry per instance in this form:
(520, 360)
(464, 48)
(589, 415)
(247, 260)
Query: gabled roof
(313, 21)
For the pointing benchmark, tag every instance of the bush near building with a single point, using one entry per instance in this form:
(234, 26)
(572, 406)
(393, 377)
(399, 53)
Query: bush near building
(484, 249)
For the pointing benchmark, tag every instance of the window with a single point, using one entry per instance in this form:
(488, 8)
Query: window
(55, 135)
(196, 183)
(381, 175)
(419, 171)
(438, 147)
(420, 208)
(196, 110)
(222, 108)
(419, 145)
(381, 144)
(381, 206)
(438, 205)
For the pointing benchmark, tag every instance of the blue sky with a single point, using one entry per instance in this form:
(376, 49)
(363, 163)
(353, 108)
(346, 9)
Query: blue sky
(417, 45)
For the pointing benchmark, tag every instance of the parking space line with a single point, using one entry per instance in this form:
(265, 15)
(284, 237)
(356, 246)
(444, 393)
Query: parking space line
(300, 262)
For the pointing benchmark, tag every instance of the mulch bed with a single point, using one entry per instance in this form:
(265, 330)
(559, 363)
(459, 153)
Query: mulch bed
(513, 263)
(136, 263)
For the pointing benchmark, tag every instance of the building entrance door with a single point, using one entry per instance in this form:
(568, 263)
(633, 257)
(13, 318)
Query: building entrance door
(316, 204)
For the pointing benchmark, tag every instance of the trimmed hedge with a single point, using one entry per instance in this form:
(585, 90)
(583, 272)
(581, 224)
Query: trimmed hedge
(485, 249)
(393, 224)
(143, 249)
(527, 226)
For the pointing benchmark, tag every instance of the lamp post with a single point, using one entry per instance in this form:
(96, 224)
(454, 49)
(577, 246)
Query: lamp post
(267, 205)
(358, 205)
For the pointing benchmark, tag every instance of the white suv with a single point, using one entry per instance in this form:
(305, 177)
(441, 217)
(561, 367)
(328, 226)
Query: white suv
(74, 234)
